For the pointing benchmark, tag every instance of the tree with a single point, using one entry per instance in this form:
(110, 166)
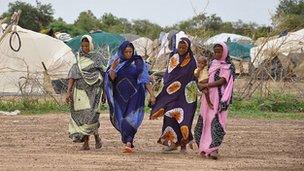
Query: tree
(289, 15)
(111, 23)
(86, 21)
(213, 22)
(287, 7)
(146, 28)
(61, 26)
(32, 17)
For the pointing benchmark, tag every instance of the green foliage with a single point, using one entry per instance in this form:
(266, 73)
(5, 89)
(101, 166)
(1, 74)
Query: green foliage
(277, 106)
(204, 26)
(32, 106)
(32, 17)
(289, 15)
(86, 21)
(287, 7)
(290, 22)
(146, 28)
(274, 103)
(60, 26)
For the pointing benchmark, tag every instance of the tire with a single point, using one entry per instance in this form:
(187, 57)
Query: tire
(19, 42)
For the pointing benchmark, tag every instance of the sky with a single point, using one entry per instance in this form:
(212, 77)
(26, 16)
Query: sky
(163, 12)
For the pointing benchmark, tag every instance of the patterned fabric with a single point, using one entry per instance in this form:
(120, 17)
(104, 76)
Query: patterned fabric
(198, 130)
(177, 99)
(126, 94)
(87, 73)
(213, 120)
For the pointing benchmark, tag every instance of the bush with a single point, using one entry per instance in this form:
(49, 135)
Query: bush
(274, 103)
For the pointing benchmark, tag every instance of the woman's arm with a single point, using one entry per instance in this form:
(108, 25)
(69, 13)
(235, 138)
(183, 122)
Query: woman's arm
(204, 81)
(217, 83)
(71, 82)
(149, 88)
(103, 95)
(112, 74)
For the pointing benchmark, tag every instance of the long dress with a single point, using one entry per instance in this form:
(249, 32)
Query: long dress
(126, 95)
(177, 100)
(88, 76)
(213, 120)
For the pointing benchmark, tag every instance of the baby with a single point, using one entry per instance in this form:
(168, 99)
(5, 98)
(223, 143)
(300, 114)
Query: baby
(201, 72)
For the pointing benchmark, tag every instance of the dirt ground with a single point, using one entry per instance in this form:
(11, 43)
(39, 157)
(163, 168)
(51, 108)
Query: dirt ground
(41, 142)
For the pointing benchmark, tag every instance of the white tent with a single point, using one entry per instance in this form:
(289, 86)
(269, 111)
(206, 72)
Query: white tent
(282, 47)
(65, 37)
(24, 67)
(165, 42)
(143, 46)
(164, 51)
(224, 36)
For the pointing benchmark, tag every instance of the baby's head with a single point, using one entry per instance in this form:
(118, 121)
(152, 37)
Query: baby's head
(201, 61)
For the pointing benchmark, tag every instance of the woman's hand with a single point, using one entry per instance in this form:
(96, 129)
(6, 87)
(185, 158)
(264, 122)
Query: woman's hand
(112, 69)
(68, 97)
(202, 86)
(103, 98)
(114, 64)
(152, 100)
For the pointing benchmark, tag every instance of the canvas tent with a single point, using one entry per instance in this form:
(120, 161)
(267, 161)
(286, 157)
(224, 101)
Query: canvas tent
(239, 51)
(65, 37)
(143, 47)
(130, 37)
(289, 50)
(101, 39)
(223, 37)
(23, 69)
(168, 43)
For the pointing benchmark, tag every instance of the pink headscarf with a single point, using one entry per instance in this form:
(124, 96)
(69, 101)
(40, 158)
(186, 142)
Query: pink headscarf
(217, 64)
(223, 66)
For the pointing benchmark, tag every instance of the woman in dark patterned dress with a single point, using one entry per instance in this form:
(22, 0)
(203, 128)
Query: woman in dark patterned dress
(177, 99)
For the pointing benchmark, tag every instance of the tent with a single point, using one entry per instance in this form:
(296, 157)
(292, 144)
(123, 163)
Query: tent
(239, 51)
(130, 37)
(143, 47)
(168, 43)
(21, 67)
(101, 39)
(281, 47)
(65, 37)
(223, 37)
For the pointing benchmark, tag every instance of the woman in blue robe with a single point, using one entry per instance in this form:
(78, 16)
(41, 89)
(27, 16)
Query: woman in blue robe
(126, 80)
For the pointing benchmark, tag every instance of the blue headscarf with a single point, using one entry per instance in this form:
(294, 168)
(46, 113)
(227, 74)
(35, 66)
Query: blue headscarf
(144, 76)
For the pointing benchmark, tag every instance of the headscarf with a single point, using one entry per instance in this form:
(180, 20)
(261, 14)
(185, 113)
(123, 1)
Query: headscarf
(143, 70)
(91, 65)
(224, 62)
(188, 42)
(122, 48)
(90, 39)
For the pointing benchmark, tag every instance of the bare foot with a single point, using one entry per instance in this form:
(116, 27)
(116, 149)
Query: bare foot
(98, 143)
(213, 155)
(85, 145)
(183, 150)
(191, 146)
(169, 148)
(128, 148)
(85, 148)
